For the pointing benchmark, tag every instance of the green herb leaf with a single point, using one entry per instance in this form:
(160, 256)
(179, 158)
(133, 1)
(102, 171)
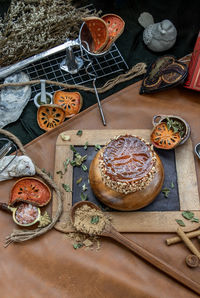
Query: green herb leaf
(60, 173)
(84, 167)
(84, 157)
(175, 129)
(188, 215)
(166, 192)
(95, 219)
(65, 137)
(73, 163)
(79, 180)
(97, 147)
(172, 184)
(65, 163)
(85, 146)
(77, 245)
(79, 159)
(176, 126)
(180, 222)
(79, 133)
(72, 148)
(169, 123)
(194, 219)
(84, 187)
(66, 187)
(83, 196)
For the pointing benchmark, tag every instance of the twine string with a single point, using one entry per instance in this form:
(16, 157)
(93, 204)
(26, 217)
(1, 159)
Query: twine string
(23, 235)
(136, 70)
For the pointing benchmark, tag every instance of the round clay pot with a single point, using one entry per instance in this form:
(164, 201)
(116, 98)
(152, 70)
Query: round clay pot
(163, 118)
(120, 201)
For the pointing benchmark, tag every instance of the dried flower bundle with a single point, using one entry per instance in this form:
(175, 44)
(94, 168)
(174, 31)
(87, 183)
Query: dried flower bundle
(33, 26)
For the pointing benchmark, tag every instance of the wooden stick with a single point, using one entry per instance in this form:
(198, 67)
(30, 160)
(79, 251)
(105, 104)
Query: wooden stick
(176, 239)
(192, 261)
(152, 259)
(188, 242)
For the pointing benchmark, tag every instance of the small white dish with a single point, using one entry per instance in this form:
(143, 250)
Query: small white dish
(38, 102)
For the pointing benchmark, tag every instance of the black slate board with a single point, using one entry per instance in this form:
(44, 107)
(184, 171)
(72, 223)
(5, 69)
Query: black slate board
(161, 203)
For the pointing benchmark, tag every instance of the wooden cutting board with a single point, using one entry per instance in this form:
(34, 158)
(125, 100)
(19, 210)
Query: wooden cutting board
(156, 221)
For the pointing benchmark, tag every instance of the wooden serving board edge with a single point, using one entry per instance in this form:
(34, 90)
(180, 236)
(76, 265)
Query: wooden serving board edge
(162, 221)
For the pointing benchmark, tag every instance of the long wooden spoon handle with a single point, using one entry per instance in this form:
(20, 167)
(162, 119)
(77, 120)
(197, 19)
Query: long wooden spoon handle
(4, 207)
(152, 259)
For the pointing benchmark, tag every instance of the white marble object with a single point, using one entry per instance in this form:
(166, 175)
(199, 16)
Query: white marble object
(20, 166)
(158, 37)
(13, 99)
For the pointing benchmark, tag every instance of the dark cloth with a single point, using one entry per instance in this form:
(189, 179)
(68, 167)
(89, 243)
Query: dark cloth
(184, 15)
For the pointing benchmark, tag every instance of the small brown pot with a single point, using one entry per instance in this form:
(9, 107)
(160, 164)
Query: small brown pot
(157, 119)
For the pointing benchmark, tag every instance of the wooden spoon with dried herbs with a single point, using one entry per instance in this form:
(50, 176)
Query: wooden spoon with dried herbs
(87, 218)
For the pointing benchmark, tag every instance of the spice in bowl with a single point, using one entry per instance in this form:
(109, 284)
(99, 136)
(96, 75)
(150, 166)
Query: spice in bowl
(26, 214)
(38, 100)
(89, 220)
(48, 100)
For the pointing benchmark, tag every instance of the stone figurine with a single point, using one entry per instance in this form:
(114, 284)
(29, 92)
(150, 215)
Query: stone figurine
(158, 37)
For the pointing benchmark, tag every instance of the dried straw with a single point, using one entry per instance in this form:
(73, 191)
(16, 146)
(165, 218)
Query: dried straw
(33, 26)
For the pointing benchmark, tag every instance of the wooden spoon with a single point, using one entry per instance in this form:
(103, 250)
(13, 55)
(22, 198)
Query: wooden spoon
(110, 231)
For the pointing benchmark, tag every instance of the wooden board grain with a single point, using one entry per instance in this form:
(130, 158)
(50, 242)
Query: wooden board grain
(130, 221)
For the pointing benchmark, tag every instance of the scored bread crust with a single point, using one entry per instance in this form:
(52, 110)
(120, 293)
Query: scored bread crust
(133, 200)
(137, 183)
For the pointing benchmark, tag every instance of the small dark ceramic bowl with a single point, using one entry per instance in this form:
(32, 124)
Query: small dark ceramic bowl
(163, 118)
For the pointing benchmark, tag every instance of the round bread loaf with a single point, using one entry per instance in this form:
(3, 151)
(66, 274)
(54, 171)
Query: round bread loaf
(126, 174)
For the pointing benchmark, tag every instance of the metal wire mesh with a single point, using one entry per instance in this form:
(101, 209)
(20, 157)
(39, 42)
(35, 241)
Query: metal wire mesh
(49, 69)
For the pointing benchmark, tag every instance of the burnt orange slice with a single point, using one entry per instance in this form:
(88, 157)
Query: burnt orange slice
(164, 138)
(50, 116)
(99, 32)
(71, 102)
(115, 26)
(30, 190)
(173, 73)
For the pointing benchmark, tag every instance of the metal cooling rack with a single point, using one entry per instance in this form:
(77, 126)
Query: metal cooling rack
(49, 69)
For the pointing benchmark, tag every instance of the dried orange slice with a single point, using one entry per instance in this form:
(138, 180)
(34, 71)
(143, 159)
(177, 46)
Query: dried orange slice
(99, 32)
(30, 190)
(173, 73)
(71, 102)
(164, 138)
(115, 26)
(50, 116)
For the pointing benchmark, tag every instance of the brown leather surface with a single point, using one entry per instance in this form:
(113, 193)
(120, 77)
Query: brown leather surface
(49, 266)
